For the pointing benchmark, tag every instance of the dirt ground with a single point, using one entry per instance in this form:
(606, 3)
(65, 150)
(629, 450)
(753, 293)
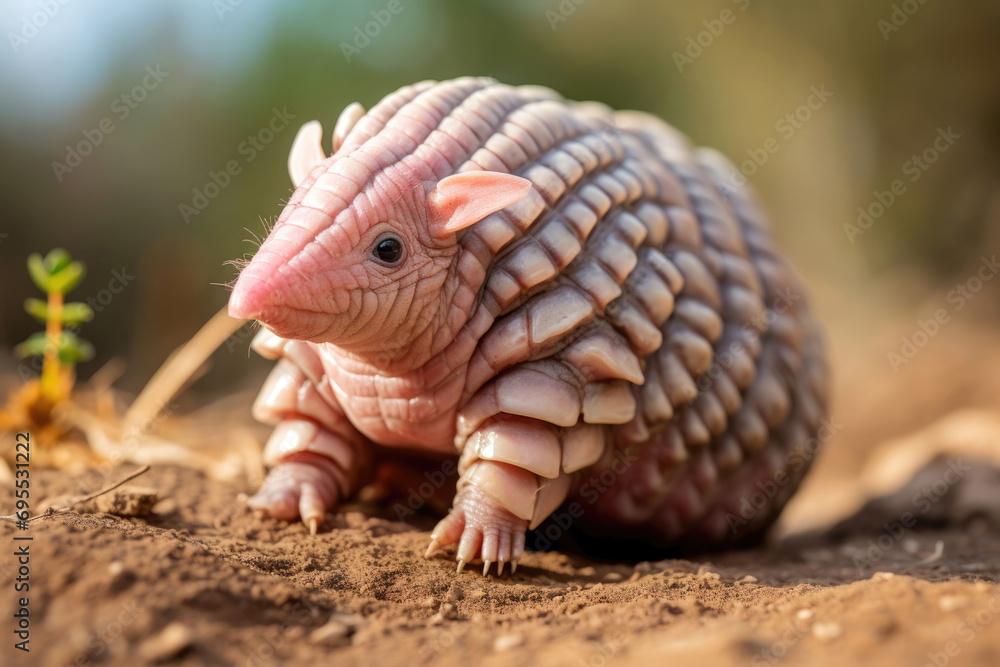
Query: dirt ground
(890, 554)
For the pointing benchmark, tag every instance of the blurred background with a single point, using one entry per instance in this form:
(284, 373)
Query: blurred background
(871, 131)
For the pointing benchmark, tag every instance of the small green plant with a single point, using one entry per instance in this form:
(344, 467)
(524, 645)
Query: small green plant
(56, 274)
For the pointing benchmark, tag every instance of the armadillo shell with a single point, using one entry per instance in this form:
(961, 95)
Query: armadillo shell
(582, 446)
(512, 487)
(635, 291)
(519, 442)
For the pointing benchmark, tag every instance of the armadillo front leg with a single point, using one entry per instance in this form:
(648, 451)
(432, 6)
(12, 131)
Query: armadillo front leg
(316, 457)
(511, 479)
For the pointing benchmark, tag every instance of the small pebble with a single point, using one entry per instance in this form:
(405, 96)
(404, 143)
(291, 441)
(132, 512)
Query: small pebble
(507, 642)
(333, 633)
(167, 506)
(952, 602)
(613, 576)
(748, 579)
(827, 630)
(645, 567)
(587, 571)
(445, 612)
(429, 602)
(454, 593)
(804, 614)
(350, 620)
(127, 501)
(882, 576)
(167, 644)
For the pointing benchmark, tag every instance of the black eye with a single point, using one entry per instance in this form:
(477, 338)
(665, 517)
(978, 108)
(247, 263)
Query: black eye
(388, 249)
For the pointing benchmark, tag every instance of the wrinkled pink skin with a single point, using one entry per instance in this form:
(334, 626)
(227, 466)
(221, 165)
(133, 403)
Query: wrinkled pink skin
(389, 346)
(410, 354)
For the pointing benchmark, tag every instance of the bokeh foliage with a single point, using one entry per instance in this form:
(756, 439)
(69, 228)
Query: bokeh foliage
(229, 69)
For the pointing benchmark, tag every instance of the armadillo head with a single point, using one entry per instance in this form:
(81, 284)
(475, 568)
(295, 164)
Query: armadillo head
(366, 254)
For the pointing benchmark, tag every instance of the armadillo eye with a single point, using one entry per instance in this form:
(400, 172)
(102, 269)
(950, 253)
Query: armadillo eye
(388, 250)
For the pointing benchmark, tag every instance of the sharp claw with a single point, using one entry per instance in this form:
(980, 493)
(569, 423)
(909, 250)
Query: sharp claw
(513, 566)
(486, 567)
(499, 568)
(313, 525)
(461, 564)
(431, 548)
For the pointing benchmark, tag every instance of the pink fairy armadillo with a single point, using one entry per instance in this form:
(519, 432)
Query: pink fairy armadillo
(572, 300)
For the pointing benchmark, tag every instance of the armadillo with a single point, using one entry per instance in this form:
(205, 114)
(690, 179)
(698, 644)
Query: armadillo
(572, 302)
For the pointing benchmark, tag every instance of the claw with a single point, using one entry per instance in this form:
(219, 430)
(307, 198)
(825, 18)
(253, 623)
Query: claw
(431, 548)
(499, 568)
(486, 567)
(513, 566)
(313, 525)
(461, 564)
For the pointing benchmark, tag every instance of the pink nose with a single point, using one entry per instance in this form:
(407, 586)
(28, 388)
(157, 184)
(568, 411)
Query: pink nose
(250, 297)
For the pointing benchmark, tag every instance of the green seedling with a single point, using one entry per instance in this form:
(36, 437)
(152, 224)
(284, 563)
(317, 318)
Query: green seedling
(56, 274)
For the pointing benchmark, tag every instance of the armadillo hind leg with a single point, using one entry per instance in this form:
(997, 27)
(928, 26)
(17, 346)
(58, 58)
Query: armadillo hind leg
(514, 472)
(315, 456)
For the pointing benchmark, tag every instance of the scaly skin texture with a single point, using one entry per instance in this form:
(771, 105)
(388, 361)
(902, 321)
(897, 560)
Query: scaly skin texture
(574, 300)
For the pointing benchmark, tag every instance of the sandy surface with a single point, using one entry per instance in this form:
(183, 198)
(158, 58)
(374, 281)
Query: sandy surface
(202, 582)
(889, 555)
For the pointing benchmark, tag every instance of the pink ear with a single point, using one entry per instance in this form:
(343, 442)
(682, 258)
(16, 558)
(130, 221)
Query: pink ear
(460, 200)
(307, 151)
